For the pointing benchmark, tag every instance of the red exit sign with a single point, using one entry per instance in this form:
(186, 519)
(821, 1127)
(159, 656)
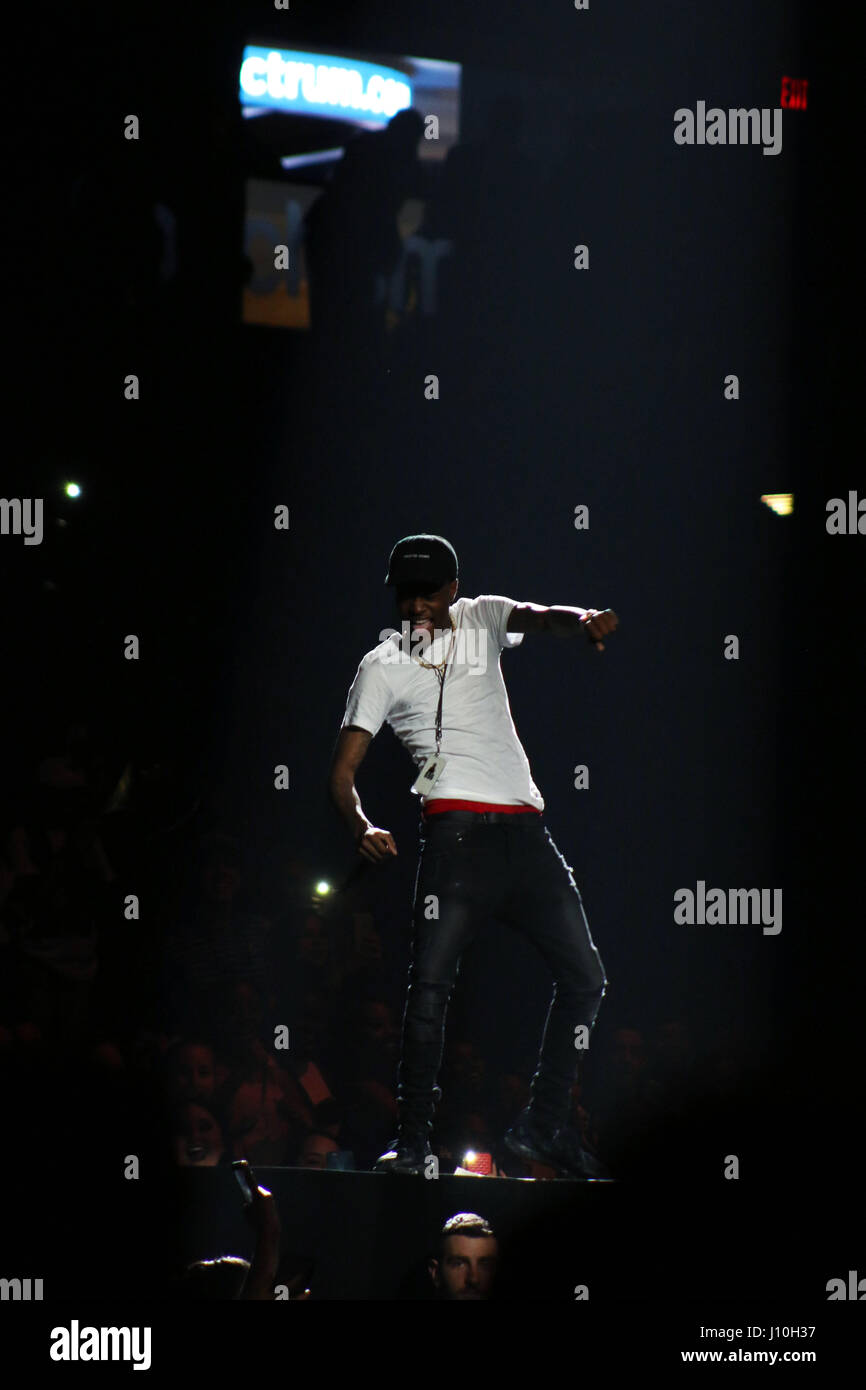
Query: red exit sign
(794, 93)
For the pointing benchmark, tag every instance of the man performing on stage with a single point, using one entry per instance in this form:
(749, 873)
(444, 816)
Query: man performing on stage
(485, 851)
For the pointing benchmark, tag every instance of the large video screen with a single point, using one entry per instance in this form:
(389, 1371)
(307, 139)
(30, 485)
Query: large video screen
(304, 109)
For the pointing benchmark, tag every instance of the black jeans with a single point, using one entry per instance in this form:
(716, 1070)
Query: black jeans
(472, 866)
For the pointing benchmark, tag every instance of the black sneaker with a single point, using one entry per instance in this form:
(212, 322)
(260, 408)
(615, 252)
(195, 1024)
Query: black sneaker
(559, 1149)
(407, 1154)
(569, 1155)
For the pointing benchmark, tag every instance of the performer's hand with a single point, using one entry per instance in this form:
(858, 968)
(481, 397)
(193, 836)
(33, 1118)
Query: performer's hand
(376, 845)
(598, 623)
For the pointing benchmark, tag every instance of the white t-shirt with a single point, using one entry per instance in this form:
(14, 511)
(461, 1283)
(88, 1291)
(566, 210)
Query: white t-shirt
(485, 758)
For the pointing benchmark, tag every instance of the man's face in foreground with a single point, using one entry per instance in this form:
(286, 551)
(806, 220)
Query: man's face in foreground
(425, 607)
(467, 1267)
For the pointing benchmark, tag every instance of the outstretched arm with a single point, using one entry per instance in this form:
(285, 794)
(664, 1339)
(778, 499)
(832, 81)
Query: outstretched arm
(563, 621)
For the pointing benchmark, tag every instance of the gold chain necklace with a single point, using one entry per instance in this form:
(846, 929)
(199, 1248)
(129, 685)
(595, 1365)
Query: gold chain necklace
(437, 665)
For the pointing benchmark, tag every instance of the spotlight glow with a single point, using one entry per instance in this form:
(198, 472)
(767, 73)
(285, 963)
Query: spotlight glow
(782, 503)
(322, 888)
(72, 490)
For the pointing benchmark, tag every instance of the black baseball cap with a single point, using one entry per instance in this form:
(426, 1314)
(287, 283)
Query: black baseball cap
(422, 559)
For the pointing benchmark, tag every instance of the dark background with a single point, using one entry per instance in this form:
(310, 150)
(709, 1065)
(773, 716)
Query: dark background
(603, 388)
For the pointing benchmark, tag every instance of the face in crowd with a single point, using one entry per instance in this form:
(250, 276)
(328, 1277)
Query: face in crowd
(466, 1267)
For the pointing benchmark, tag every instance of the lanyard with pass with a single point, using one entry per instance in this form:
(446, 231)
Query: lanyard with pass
(435, 765)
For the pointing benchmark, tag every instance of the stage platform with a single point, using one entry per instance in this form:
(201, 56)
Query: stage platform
(86, 1230)
(370, 1234)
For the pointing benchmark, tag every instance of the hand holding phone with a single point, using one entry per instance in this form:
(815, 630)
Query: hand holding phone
(246, 1182)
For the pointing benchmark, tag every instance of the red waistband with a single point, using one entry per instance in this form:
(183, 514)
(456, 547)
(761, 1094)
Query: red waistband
(433, 808)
